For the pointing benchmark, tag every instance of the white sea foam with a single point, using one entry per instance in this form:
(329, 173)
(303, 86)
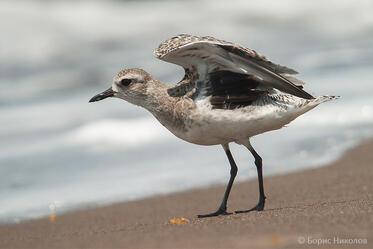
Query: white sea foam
(119, 133)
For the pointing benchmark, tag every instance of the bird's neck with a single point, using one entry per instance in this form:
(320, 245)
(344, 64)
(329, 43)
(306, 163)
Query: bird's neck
(157, 100)
(166, 108)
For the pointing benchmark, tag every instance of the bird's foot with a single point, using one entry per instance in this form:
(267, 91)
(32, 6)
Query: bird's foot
(258, 207)
(219, 212)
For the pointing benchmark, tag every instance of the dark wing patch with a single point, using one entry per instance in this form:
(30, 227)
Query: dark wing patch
(231, 90)
(236, 101)
(227, 82)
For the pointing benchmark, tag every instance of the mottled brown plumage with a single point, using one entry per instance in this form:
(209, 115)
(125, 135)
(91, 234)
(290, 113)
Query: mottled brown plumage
(181, 40)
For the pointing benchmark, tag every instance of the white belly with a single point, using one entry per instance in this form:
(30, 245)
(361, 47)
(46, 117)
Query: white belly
(207, 126)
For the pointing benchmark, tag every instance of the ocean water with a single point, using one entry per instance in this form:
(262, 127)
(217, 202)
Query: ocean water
(58, 152)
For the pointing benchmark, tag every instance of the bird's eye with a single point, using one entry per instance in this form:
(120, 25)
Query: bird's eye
(125, 82)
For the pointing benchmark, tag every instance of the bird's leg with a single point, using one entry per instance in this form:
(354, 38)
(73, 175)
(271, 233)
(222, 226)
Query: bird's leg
(223, 206)
(258, 163)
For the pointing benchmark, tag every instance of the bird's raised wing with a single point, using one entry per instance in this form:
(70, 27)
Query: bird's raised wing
(212, 64)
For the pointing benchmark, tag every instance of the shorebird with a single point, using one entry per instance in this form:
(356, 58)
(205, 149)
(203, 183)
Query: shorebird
(229, 93)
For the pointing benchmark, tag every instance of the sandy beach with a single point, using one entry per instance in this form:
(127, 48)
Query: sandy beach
(331, 206)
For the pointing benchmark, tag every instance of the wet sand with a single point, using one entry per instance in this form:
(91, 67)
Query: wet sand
(323, 205)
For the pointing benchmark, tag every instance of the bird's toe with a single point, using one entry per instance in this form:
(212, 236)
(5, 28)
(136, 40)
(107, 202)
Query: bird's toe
(258, 207)
(217, 213)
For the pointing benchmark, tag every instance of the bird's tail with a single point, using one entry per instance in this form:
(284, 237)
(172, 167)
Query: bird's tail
(322, 99)
(312, 103)
(308, 104)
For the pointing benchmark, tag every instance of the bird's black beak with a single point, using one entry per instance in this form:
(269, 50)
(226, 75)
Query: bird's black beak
(105, 94)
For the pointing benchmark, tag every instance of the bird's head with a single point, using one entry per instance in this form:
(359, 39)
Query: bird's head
(129, 84)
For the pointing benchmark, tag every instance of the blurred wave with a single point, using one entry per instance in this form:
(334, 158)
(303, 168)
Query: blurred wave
(55, 55)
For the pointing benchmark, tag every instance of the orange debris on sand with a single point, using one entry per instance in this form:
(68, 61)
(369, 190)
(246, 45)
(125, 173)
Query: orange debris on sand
(176, 221)
(52, 217)
(275, 239)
